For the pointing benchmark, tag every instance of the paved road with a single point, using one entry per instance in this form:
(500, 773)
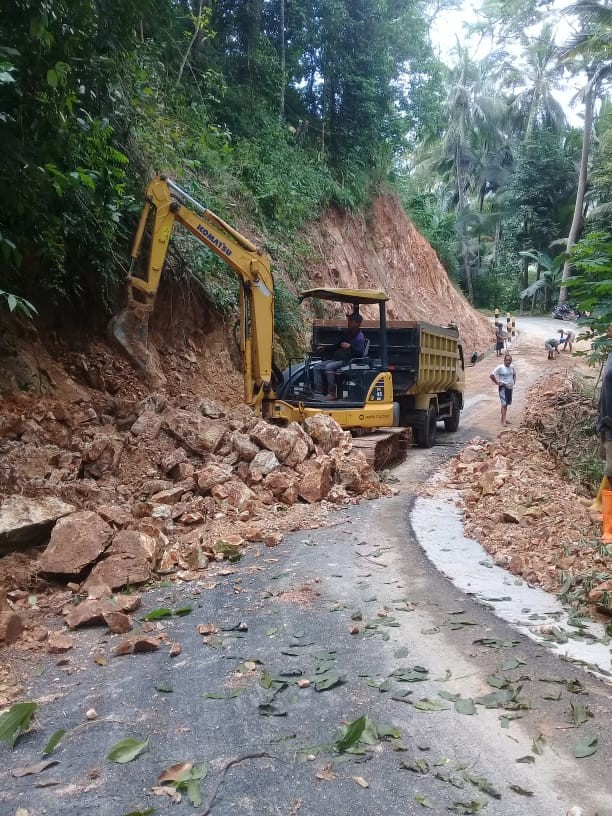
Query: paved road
(282, 616)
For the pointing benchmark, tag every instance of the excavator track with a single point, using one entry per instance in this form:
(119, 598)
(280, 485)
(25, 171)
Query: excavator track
(385, 446)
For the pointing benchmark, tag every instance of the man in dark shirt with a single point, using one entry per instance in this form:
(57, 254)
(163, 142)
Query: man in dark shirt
(352, 344)
(604, 425)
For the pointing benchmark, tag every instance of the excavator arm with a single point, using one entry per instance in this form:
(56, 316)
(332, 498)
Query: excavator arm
(251, 266)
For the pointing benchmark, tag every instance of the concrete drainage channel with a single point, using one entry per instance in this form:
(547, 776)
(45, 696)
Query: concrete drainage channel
(438, 527)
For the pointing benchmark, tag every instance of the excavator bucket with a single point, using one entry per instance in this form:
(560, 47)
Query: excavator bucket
(130, 330)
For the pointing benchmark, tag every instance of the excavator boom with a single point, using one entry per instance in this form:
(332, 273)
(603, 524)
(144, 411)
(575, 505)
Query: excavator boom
(130, 328)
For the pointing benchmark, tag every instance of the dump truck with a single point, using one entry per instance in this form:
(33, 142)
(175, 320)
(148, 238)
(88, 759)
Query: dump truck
(424, 364)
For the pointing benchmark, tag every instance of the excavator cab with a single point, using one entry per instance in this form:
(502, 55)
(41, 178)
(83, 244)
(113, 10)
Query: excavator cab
(363, 388)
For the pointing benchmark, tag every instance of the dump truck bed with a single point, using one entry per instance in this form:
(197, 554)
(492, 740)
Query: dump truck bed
(422, 357)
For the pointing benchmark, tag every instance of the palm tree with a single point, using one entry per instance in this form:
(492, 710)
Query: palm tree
(593, 46)
(536, 78)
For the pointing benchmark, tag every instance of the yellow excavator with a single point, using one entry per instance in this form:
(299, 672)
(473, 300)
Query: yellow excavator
(410, 376)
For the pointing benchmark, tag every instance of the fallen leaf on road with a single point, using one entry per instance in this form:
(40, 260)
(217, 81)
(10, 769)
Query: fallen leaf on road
(174, 772)
(173, 794)
(423, 801)
(360, 781)
(521, 791)
(15, 721)
(126, 750)
(586, 746)
(326, 774)
(53, 742)
(37, 768)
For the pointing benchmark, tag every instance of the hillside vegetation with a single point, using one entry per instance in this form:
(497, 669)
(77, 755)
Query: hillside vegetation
(271, 112)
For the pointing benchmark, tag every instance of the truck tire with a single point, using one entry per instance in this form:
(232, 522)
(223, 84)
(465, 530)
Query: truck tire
(451, 423)
(425, 431)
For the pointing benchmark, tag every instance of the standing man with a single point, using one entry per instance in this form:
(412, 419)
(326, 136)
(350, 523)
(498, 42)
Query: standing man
(352, 344)
(566, 339)
(604, 427)
(504, 377)
(499, 339)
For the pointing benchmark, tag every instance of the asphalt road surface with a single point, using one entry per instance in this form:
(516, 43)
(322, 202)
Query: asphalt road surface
(357, 607)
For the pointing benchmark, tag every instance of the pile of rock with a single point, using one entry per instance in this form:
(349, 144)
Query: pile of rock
(163, 489)
(533, 522)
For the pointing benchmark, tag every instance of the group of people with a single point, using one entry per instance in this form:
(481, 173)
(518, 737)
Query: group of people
(565, 340)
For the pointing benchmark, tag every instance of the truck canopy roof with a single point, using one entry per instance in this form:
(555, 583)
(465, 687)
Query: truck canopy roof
(354, 296)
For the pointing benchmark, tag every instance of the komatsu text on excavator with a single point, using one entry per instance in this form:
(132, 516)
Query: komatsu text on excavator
(410, 375)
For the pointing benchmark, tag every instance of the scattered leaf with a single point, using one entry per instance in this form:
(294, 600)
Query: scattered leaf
(420, 765)
(538, 745)
(467, 807)
(520, 791)
(579, 713)
(465, 706)
(425, 704)
(224, 695)
(328, 681)
(126, 750)
(165, 688)
(526, 760)
(174, 772)
(147, 812)
(586, 746)
(37, 768)
(360, 781)
(351, 734)
(326, 774)
(182, 611)
(423, 801)
(53, 741)
(157, 614)
(484, 785)
(497, 682)
(15, 721)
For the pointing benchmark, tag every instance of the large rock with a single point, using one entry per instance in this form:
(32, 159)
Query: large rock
(136, 544)
(283, 486)
(265, 462)
(212, 475)
(120, 570)
(102, 455)
(195, 432)
(26, 522)
(353, 471)
(272, 438)
(76, 541)
(244, 447)
(317, 478)
(301, 445)
(235, 493)
(148, 425)
(325, 431)
(93, 610)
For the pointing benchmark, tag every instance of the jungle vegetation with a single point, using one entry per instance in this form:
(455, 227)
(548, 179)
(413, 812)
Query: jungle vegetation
(275, 109)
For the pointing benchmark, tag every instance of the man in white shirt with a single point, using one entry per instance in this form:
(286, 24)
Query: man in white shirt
(504, 377)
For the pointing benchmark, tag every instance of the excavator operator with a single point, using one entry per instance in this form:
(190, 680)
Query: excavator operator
(352, 344)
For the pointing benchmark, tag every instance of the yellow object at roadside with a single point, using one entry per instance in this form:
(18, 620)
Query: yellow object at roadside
(597, 503)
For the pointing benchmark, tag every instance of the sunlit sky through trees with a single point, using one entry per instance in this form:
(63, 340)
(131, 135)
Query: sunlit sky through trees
(450, 28)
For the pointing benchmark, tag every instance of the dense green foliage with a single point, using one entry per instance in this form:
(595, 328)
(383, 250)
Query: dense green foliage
(271, 111)
(277, 109)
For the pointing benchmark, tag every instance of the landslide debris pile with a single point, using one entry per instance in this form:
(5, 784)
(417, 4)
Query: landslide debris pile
(532, 520)
(131, 489)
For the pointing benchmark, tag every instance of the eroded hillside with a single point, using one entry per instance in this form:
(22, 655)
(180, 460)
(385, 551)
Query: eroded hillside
(385, 251)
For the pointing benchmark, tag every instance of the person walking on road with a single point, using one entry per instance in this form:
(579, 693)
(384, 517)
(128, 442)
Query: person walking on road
(499, 339)
(504, 377)
(566, 339)
(552, 347)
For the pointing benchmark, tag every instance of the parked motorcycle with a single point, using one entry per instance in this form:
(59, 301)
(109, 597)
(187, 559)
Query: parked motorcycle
(564, 312)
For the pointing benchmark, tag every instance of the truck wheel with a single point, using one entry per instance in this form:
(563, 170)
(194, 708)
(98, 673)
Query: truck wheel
(425, 432)
(451, 423)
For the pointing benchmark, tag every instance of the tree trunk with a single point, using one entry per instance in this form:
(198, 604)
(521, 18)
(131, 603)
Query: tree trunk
(196, 34)
(589, 106)
(282, 56)
(460, 199)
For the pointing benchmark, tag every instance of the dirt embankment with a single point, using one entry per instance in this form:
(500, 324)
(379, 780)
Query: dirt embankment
(385, 251)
